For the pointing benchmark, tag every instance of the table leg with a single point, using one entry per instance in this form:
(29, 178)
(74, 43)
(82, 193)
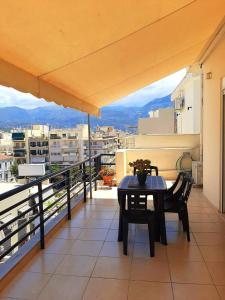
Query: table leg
(122, 200)
(157, 219)
(163, 237)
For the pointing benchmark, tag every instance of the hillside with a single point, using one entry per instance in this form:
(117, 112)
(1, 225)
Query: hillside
(58, 116)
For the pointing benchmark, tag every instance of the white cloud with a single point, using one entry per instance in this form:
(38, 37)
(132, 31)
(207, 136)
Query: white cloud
(12, 97)
(155, 90)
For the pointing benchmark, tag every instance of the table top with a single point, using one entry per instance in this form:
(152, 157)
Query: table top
(153, 184)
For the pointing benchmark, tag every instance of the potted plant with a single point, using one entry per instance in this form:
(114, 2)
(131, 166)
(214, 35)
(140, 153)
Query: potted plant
(142, 166)
(107, 175)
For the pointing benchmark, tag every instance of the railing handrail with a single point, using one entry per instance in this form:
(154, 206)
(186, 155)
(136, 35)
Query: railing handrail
(42, 178)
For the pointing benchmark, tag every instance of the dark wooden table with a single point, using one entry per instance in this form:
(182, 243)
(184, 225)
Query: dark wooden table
(156, 186)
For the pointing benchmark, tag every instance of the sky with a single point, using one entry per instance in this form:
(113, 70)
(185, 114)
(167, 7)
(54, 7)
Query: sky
(161, 88)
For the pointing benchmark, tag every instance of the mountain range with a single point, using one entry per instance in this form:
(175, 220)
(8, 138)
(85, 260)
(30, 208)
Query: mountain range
(57, 116)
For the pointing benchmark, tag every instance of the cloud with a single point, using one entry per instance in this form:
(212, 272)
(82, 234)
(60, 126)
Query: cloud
(12, 97)
(155, 90)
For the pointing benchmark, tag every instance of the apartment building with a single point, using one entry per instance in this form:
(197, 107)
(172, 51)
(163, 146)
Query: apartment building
(38, 150)
(5, 168)
(67, 146)
(5, 142)
(31, 145)
(187, 99)
(19, 140)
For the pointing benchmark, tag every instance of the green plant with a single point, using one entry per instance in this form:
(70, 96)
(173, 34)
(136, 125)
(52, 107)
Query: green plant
(141, 165)
(106, 172)
(14, 168)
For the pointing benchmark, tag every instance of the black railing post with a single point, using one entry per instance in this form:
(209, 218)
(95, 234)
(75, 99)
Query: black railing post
(84, 180)
(68, 195)
(42, 225)
(96, 171)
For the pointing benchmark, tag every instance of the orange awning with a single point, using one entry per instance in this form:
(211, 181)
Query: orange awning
(86, 54)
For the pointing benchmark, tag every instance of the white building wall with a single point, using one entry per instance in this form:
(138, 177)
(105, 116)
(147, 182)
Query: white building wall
(189, 117)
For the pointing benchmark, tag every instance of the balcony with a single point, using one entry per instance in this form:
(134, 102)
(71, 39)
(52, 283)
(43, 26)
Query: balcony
(82, 258)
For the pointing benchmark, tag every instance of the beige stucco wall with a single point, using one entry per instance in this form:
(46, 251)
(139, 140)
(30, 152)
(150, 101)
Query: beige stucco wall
(212, 97)
(162, 150)
(162, 124)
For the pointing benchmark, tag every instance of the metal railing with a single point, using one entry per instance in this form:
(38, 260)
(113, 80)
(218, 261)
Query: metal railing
(34, 204)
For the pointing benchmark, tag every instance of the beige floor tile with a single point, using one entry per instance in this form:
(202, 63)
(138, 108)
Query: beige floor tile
(179, 238)
(91, 248)
(59, 246)
(93, 234)
(114, 224)
(195, 292)
(142, 290)
(68, 233)
(44, 263)
(150, 270)
(203, 210)
(98, 224)
(78, 221)
(106, 289)
(202, 218)
(101, 207)
(26, 285)
(64, 287)
(217, 271)
(208, 227)
(190, 272)
(171, 217)
(199, 203)
(142, 250)
(213, 253)
(221, 291)
(185, 252)
(112, 235)
(76, 265)
(102, 215)
(174, 226)
(112, 267)
(114, 249)
(211, 239)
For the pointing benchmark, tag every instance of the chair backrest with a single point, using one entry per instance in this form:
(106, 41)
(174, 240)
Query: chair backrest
(183, 192)
(177, 183)
(136, 203)
(188, 187)
(149, 171)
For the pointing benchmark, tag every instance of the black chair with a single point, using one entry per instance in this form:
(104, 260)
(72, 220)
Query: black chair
(176, 199)
(150, 170)
(137, 213)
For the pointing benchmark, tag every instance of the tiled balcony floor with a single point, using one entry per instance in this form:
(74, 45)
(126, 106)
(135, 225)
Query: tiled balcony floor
(84, 260)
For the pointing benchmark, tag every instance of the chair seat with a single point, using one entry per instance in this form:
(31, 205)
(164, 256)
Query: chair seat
(171, 206)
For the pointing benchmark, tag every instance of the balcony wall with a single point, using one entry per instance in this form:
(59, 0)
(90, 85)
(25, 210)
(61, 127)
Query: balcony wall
(162, 150)
(212, 123)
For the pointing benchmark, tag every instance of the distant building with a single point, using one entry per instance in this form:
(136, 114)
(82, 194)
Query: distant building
(31, 145)
(67, 146)
(160, 121)
(6, 144)
(187, 99)
(5, 168)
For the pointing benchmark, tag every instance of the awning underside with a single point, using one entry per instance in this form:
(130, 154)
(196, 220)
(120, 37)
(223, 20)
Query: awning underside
(87, 54)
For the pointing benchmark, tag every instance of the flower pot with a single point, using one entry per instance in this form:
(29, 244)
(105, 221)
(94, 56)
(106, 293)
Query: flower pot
(107, 180)
(142, 178)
